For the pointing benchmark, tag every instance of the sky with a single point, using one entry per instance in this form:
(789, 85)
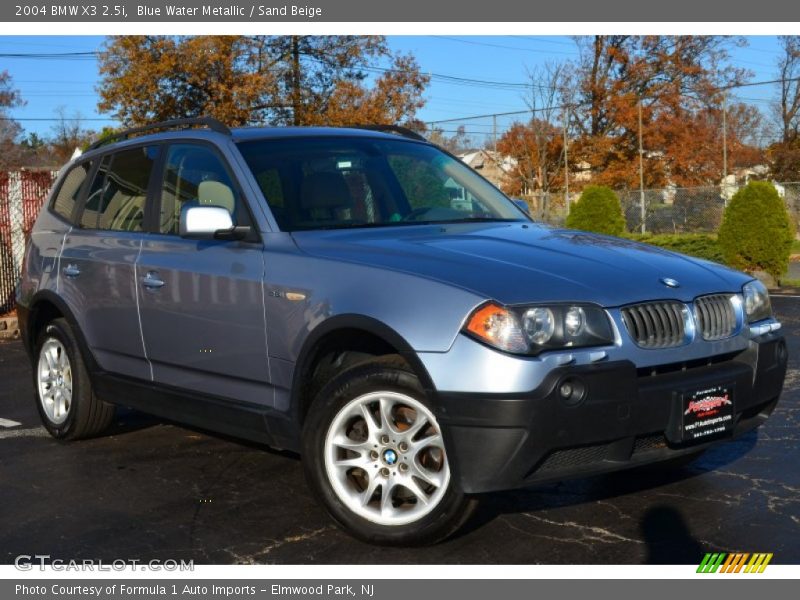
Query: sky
(49, 83)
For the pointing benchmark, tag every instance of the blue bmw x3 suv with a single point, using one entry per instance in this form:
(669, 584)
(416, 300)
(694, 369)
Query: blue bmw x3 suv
(365, 299)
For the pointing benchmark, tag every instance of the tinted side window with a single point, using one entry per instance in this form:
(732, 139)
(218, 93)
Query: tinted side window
(121, 201)
(94, 198)
(196, 175)
(70, 190)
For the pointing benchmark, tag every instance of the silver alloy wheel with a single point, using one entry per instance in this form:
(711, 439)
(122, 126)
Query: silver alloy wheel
(54, 378)
(385, 458)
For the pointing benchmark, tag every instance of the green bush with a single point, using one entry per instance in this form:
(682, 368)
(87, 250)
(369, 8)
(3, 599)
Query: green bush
(598, 209)
(701, 245)
(756, 232)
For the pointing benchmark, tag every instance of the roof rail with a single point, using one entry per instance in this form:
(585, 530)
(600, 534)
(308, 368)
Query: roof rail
(208, 122)
(398, 129)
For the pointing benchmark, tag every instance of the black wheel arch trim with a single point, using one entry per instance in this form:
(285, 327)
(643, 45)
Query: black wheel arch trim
(29, 335)
(353, 321)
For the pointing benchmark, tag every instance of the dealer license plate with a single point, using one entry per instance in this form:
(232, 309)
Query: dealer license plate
(707, 413)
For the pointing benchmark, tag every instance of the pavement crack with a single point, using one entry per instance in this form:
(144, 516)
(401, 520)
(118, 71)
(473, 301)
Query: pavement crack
(775, 502)
(591, 533)
(621, 513)
(290, 539)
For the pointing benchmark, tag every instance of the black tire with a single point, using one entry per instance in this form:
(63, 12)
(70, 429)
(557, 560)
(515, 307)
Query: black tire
(391, 374)
(88, 416)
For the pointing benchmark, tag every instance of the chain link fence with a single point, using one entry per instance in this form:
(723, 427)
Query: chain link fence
(22, 194)
(666, 211)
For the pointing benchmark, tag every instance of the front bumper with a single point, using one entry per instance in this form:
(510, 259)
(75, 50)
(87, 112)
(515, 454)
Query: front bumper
(628, 417)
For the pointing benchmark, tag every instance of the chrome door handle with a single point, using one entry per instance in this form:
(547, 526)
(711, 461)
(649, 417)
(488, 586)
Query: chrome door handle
(151, 280)
(71, 270)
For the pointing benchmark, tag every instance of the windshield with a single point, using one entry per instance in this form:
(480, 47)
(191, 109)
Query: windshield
(340, 182)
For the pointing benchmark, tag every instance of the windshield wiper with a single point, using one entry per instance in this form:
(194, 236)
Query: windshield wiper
(349, 226)
(406, 223)
(468, 220)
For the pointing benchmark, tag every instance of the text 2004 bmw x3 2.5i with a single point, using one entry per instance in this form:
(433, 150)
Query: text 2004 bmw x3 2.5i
(365, 299)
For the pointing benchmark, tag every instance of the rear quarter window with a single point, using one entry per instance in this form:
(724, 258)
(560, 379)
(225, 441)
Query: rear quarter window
(70, 190)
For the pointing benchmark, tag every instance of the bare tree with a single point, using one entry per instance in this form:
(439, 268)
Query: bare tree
(68, 134)
(788, 106)
(458, 143)
(548, 100)
(10, 155)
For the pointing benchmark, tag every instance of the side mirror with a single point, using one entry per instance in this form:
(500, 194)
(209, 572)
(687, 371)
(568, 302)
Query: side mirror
(522, 205)
(205, 222)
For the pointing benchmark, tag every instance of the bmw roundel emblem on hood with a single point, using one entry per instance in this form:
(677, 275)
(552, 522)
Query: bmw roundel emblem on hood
(670, 283)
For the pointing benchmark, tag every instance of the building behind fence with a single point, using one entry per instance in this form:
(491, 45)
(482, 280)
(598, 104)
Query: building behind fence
(668, 210)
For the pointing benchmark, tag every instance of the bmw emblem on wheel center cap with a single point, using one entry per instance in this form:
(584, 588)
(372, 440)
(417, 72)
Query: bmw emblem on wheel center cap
(390, 456)
(669, 282)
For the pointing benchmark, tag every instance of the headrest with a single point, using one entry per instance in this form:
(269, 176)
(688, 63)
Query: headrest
(325, 189)
(216, 193)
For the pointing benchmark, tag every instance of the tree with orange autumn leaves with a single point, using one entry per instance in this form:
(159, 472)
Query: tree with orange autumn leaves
(680, 82)
(241, 80)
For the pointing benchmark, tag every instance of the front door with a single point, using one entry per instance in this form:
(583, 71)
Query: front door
(201, 301)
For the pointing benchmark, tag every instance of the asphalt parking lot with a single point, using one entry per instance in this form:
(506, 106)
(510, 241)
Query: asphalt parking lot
(153, 490)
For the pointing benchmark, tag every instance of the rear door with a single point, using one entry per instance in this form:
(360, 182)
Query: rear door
(98, 272)
(201, 301)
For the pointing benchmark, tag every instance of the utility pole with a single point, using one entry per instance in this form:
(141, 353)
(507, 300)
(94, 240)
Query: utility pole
(494, 132)
(725, 148)
(641, 172)
(296, 91)
(566, 160)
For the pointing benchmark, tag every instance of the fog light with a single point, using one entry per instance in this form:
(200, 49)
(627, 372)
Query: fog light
(572, 391)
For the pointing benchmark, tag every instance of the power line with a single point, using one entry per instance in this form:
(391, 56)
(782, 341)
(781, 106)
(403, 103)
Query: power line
(573, 106)
(437, 76)
(56, 119)
(756, 83)
(538, 38)
(47, 54)
(506, 114)
(502, 46)
(58, 81)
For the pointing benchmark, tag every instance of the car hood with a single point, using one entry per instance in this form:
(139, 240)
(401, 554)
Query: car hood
(515, 263)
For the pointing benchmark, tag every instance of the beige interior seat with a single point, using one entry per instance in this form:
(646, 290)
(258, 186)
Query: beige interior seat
(216, 193)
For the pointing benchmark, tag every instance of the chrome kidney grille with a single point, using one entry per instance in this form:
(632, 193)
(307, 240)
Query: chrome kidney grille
(716, 316)
(668, 323)
(656, 324)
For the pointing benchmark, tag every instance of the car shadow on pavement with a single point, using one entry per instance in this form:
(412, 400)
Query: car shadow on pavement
(597, 488)
(127, 420)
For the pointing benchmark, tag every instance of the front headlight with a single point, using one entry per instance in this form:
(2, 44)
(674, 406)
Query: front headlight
(534, 329)
(757, 306)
